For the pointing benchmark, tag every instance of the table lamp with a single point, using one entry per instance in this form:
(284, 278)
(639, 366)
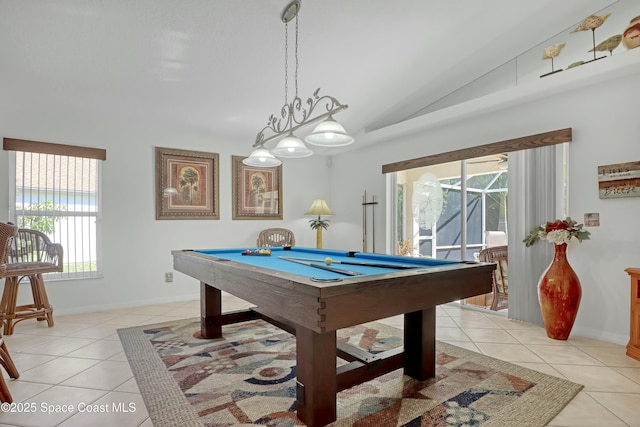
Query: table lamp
(319, 207)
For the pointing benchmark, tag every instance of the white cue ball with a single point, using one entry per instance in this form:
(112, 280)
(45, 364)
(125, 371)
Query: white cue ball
(328, 261)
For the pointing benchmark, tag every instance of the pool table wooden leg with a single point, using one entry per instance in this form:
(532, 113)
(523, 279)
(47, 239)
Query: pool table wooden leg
(420, 344)
(210, 311)
(316, 372)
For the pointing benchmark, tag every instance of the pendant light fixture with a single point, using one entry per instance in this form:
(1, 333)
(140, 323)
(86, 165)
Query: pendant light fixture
(329, 133)
(262, 158)
(291, 146)
(295, 115)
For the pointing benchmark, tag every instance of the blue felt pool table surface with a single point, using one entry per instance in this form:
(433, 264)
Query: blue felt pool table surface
(275, 262)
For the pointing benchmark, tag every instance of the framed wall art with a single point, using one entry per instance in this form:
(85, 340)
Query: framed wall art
(187, 184)
(619, 180)
(257, 192)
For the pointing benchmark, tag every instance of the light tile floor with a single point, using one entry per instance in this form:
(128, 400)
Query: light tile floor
(76, 374)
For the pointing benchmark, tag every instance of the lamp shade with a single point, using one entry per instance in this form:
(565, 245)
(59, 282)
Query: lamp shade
(329, 133)
(319, 207)
(292, 147)
(261, 158)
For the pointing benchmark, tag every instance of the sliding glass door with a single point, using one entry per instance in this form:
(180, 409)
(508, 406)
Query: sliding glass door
(476, 190)
(453, 210)
(450, 219)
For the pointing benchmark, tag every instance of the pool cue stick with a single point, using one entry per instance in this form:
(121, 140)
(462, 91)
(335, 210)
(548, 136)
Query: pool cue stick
(324, 267)
(363, 263)
(364, 222)
(373, 222)
(365, 204)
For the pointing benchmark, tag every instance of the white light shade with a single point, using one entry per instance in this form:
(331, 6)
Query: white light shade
(319, 207)
(169, 191)
(329, 133)
(261, 158)
(291, 146)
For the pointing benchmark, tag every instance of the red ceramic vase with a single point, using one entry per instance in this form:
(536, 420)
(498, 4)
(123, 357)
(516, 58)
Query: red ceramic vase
(559, 293)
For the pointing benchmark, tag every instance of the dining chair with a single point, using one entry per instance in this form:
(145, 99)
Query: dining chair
(495, 238)
(499, 256)
(274, 237)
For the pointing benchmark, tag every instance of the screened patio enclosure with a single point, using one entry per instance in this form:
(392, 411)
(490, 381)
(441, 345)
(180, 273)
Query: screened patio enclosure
(474, 189)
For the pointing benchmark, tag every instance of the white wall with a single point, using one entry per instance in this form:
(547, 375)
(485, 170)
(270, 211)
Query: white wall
(598, 101)
(136, 247)
(600, 104)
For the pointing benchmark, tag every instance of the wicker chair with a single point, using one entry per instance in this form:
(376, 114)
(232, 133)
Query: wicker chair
(7, 232)
(273, 237)
(31, 255)
(499, 256)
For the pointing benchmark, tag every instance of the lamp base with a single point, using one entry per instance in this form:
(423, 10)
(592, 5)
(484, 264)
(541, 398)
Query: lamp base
(319, 238)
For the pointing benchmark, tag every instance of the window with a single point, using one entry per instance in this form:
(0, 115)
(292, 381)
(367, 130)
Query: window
(56, 190)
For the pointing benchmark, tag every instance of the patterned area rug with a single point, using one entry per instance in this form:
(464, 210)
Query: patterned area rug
(248, 378)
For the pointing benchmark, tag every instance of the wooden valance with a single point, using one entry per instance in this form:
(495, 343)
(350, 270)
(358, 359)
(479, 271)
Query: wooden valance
(11, 144)
(517, 144)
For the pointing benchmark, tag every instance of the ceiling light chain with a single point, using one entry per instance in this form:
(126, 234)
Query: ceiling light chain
(296, 56)
(295, 115)
(286, 63)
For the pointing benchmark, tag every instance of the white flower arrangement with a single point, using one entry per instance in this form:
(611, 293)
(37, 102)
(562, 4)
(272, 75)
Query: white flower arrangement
(558, 232)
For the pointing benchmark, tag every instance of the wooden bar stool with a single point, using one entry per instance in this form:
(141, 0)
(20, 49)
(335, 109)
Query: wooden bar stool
(7, 232)
(31, 255)
(10, 367)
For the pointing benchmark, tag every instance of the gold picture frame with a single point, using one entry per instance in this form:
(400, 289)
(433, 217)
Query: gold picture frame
(187, 184)
(257, 192)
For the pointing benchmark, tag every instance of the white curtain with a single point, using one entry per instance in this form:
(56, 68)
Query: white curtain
(537, 194)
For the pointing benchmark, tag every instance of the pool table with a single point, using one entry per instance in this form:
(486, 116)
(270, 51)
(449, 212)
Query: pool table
(312, 303)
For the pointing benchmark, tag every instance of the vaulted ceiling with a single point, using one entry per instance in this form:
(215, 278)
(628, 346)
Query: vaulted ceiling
(217, 66)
